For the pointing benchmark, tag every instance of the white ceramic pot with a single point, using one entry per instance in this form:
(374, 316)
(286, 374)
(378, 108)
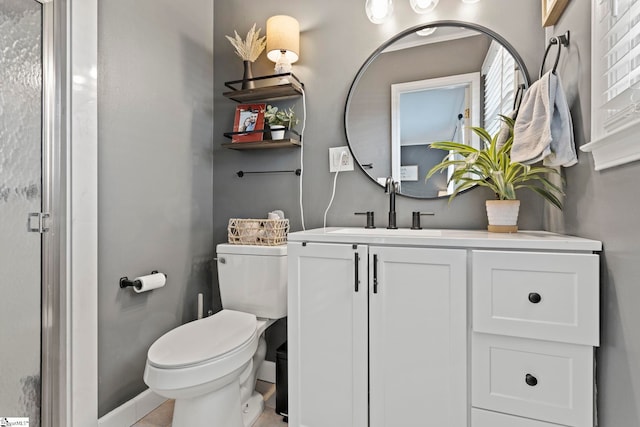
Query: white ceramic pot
(277, 132)
(503, 215)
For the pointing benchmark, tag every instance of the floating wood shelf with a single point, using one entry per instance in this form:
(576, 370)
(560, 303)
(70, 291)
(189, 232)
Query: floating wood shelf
(275, 87)
(291, 89)
(268, 93)
(259, 145)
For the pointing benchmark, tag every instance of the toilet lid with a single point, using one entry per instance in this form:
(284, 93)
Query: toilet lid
(203, 340)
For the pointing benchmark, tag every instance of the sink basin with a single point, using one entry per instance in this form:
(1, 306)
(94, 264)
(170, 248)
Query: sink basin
(400, 232)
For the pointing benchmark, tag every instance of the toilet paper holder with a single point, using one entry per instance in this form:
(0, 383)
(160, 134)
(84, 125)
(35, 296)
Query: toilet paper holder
(125, 282)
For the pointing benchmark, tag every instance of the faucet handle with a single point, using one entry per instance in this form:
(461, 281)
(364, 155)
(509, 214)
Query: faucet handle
(370, 220)
(415, 219)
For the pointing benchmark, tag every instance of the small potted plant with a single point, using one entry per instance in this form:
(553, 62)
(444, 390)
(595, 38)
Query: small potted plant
(279, 120)
(492, 167)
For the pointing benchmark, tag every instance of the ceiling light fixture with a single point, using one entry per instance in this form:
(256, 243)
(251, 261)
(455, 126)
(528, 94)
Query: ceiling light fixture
(426, 31)
(378, 11)
(470, 1)
(423, 6)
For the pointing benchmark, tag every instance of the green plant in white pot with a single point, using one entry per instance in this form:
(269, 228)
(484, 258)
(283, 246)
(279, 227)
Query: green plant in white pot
(280, 120)
(491, 167)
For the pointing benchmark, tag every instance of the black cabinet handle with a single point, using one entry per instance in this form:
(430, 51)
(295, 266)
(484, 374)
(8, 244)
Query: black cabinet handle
(535, 297)
(375, 274)
(357, 278)
(530, 380)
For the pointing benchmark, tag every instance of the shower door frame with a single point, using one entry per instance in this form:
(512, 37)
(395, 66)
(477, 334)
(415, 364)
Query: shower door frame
(52, 371)
(69, 374)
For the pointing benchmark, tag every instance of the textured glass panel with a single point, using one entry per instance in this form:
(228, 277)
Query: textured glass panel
(20, 182)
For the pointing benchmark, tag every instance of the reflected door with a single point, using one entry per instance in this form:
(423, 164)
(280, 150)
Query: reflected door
(20, 195)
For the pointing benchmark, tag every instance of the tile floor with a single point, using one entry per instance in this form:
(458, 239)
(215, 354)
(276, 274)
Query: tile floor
(161, 416)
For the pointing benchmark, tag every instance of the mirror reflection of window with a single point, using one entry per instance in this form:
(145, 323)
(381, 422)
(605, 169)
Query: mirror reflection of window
(501, 79)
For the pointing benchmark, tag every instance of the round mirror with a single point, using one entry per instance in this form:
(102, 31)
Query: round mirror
(429, 83)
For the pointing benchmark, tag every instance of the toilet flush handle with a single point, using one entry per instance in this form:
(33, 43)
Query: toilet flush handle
(222, 260)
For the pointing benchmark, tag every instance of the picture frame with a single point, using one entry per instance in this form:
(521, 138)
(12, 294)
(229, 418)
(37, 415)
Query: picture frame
(552, 11)
(249, 118)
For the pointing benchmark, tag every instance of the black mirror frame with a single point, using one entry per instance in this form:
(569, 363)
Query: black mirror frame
(445, 23)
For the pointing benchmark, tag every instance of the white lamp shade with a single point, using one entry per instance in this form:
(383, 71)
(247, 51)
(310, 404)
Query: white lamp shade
(283, 35)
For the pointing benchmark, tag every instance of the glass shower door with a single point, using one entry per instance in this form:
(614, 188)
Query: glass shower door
(20, 195)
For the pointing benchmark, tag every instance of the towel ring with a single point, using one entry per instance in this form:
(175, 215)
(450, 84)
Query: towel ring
(517, 100)
(562, 40)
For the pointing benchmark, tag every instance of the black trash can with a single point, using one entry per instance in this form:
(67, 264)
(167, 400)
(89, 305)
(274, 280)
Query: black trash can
(282, 386)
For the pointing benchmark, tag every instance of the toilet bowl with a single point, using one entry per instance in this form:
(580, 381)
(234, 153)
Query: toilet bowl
(209, 366)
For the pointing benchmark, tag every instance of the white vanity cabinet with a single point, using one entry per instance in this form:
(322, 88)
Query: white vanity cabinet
(441, 328)
(535, 323)
(377, 336)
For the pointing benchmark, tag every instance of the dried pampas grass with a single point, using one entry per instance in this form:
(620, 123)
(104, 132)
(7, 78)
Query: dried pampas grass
(249, 49)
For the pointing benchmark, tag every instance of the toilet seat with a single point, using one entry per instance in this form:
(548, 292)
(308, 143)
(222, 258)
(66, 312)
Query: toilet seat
(202, 351)
(203, 341)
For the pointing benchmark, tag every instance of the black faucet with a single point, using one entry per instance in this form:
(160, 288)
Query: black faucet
(391, 187)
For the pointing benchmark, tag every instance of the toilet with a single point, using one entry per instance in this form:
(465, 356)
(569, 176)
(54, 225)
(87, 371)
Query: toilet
(209, 366)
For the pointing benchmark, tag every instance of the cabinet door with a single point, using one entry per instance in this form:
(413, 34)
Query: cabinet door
(327, 333)
(418, 337)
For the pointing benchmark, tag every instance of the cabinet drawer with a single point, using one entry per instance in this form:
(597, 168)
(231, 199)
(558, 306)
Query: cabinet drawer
(545, 296)
(535, 379)
(480, 418)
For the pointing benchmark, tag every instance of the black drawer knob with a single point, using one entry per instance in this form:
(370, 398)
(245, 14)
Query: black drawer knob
(535, 297)
(531, 380)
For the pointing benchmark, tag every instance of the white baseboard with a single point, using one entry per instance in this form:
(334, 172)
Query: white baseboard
(129, 412)
(267, 372)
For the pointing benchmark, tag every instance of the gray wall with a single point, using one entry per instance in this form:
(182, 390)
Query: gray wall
(604, 206)
(336, 38)
(425, 159)
(155, 175)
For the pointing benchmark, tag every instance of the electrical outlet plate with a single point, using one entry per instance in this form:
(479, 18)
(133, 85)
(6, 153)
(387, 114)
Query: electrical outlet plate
(335, 157)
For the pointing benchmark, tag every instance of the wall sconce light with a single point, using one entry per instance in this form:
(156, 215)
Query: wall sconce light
(283, 42)
(378, 11)
(423, 6)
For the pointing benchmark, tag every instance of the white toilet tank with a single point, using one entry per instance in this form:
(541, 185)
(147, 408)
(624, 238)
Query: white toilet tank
(253, 279)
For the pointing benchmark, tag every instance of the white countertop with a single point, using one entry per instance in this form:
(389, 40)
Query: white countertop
(480, 239)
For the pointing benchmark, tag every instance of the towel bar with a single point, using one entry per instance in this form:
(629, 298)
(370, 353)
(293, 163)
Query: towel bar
(243, 173)
(561, 40)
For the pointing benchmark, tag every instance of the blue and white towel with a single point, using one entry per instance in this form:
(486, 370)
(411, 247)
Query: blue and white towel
(543, 128)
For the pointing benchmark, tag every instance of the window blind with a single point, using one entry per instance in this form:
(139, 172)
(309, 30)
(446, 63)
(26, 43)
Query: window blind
(615, 83)
(499, 75)
(617, 50)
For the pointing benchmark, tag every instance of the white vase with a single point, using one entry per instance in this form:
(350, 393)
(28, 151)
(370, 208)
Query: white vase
(277, 132)
(503, 215)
